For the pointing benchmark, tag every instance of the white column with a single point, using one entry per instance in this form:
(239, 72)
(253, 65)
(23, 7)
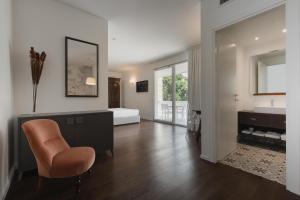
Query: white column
(293, 95)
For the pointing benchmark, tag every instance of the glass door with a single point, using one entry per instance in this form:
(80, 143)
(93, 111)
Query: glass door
(164, 94)
(181, 91)
(171, 94)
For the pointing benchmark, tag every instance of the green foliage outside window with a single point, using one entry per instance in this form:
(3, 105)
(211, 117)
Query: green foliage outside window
(181, 83)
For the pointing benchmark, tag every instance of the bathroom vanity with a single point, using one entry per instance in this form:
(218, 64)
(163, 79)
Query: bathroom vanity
(266, 124)
(264, 129)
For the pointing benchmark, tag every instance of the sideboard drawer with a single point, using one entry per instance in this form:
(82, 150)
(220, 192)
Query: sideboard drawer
(261, 119)
(255, 119)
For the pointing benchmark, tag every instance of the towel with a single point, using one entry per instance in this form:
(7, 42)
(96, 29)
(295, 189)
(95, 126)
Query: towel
(259, 133)
(248, 132)
(273, 135)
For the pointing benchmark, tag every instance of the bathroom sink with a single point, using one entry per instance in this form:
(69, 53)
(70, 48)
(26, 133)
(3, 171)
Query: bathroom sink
(271, 110)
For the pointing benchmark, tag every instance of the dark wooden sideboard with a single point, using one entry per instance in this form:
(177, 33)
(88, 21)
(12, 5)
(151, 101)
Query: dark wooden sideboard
(261, 122)
(93, 129)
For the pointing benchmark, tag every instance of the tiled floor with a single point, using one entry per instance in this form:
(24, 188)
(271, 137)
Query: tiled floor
(261, 162)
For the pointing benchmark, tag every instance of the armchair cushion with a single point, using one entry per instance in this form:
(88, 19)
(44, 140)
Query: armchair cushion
(72, 162)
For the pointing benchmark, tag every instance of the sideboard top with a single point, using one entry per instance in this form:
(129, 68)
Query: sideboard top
(63, 113)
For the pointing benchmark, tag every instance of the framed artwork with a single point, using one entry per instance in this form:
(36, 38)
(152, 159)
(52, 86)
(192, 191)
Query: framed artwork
(142, 86)
(82, 65)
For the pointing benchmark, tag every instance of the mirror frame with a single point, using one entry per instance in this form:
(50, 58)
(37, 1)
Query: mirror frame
(256, 84)
(270, 94)
(67, 39)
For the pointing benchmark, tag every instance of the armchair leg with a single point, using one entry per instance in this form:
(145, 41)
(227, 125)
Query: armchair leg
(112, 152)
(78, 183)
(39, 187)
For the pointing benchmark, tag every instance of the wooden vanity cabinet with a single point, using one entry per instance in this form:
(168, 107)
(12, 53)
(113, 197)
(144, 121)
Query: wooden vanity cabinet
(261, 122)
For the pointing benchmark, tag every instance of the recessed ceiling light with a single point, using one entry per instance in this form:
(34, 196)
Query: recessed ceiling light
(284, 30)
(233, 45)
(256, 38)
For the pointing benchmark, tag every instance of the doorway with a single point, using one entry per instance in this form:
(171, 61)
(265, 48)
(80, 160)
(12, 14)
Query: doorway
(171, 94)
(251, 101)
(114, 92)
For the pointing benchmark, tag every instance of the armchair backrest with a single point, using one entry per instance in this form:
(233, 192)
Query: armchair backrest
(45, 141)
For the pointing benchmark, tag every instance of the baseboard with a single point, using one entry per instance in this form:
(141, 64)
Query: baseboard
(144, 119)
(10, 178)
(206, 158)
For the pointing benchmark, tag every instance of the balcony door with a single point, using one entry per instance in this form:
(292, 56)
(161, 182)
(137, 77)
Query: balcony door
(171, 94)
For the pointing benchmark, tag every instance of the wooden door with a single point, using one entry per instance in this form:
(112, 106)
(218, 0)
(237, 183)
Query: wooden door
(114, 92)
(227, 98)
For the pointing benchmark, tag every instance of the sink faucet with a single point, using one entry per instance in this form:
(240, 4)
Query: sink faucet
(272, 102)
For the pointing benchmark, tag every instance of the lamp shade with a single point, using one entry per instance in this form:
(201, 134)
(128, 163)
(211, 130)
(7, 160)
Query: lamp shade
(91, 81)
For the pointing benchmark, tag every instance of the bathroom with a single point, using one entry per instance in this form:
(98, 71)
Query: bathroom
(251, 71)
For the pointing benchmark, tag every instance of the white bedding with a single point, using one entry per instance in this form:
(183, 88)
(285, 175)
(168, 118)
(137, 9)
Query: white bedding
(125, 116)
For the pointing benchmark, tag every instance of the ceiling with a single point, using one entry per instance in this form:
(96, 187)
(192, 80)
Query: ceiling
(142, 31)
(267, 26)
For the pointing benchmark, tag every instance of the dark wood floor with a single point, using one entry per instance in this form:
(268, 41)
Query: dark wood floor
(155, 161)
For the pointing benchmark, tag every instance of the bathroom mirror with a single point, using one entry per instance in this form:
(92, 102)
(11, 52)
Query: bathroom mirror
(81, 68)
(270, 70)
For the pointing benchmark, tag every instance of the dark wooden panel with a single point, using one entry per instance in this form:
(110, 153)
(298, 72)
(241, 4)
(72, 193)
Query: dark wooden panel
(94, 133)
(262, 122)
(26, 160)
(67, 127)
(256, 119)
(262, 119)
(114, 92)
(279, 121)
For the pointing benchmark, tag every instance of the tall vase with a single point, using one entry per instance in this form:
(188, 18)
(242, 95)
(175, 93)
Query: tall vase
(35, 86)
(37, 63)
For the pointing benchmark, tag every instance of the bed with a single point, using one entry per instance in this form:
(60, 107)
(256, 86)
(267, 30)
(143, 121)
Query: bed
(125, 116)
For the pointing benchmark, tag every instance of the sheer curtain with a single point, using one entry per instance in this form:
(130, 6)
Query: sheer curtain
(194, 87)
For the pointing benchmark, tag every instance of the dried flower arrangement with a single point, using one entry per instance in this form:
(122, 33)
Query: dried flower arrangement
(37, 64)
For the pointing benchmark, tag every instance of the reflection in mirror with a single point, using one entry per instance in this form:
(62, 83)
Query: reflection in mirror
(270, 73)
(81, 68)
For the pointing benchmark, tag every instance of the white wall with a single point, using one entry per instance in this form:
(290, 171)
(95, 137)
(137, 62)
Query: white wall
(115, 74)
(293, 96)
(145, 101)
(6, 93)
(246, 78)
(215, 17)
(44, 24)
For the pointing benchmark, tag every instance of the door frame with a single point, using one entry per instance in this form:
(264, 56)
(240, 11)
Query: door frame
(208, 137)
(172, 66)
(214, 144)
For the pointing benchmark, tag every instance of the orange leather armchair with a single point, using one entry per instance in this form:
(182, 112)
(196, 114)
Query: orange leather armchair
(54, 157)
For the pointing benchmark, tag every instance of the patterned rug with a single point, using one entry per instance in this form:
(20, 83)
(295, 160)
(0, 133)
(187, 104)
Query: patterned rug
(261, 162)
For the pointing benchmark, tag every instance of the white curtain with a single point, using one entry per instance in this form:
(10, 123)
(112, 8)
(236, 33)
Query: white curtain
(194, 87)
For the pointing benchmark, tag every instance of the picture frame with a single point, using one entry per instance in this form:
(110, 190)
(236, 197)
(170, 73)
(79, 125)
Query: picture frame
(142, 86)
(81, 68)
